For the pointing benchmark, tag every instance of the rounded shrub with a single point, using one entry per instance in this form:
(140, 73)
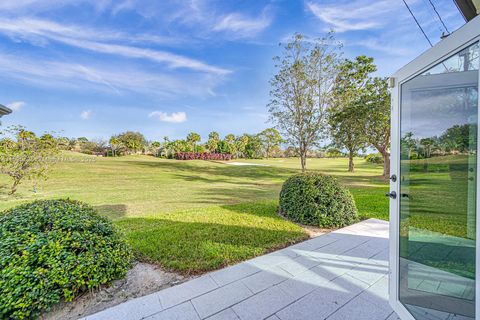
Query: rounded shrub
(317, 200)
(51, 250)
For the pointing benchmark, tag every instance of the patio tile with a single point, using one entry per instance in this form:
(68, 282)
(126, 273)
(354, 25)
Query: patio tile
(299, 265)
(184, 311)
(368, 273)
(263, 305)
(220, 299)
(234, 273)
(133, 309)
(393, 316)
(266, 279)
(227, 314)
(186, 291)
(323, 300)
(274, 317)
(360, 309)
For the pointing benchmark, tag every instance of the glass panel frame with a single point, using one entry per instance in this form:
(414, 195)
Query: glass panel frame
(460, 39)
(436, 266)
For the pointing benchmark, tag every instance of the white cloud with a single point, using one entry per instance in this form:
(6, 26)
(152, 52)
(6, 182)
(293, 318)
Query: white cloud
(353, 15)
(16, 105)
(81, 76)
(243, 26)
(86, 114)
(174, 117)
(40, 32)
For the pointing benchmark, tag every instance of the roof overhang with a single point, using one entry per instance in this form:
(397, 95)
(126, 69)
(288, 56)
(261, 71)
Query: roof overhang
(4, 110)
(469, 8)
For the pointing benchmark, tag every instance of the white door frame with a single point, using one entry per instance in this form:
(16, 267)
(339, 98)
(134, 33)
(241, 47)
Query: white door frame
(460, 39)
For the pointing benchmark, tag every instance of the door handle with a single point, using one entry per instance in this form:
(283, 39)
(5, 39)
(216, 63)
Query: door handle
(392, 195)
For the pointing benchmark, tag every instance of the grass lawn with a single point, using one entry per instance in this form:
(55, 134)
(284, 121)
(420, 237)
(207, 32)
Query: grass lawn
(194, 216)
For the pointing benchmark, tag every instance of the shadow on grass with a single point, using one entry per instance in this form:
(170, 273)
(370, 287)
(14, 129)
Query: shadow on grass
(193, 242)
(113, 211)
(193, 247)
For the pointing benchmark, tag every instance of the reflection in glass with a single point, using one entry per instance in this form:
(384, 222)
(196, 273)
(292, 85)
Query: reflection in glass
(438, 188)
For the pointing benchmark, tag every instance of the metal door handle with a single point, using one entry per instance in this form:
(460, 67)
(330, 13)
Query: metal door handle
(392, 195)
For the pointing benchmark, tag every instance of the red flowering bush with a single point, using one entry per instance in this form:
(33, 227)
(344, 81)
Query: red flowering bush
(203, 156)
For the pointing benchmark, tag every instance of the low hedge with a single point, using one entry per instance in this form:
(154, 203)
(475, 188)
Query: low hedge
(318, 200)
(52, 250)
(202, 156)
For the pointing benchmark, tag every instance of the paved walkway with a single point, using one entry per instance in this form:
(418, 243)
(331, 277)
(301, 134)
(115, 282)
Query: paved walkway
(340, 275)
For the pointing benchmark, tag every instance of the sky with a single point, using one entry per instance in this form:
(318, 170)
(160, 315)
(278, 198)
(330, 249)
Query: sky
(94, 68)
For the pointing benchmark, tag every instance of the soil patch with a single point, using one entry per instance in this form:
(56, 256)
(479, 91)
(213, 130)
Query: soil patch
(141, 280)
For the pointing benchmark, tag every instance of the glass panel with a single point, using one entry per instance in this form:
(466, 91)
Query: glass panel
(438, 189)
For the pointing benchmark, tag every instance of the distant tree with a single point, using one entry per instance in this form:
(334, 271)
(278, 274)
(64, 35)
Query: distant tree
(23, 155)
(270, 139)
(155, 146)
(63, 143)
(229, 145)
(291, 152)
(193, 138)
(253, 149)
(115, 145)
(180, 146)
(132, 141)
(302, 89)
(213, 140)
(240, 144)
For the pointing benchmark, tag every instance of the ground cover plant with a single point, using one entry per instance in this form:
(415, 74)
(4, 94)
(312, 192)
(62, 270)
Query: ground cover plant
(52, 250)
(194, 216)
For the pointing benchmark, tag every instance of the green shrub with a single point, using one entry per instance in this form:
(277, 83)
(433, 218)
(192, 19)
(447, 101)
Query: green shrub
(52, 250)
(318, 200)
(375, 158)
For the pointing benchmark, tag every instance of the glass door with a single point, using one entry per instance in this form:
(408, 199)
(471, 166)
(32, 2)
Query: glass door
(437, 195)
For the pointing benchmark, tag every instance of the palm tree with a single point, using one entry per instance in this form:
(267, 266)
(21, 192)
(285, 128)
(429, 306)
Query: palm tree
(192, 139)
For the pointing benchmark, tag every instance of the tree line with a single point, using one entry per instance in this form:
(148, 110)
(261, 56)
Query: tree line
(265, 144)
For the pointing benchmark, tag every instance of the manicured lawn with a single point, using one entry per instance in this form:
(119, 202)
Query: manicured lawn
(196, 216)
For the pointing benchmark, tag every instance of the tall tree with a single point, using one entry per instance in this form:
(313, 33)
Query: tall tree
(302, 89)
(213, 140)
(192, 139)
(374, 113)
(347, 132)
(350, 85)
(271, 139)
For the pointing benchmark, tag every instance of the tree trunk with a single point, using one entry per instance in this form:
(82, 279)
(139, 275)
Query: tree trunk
(303, 160)
(351, 166)
(386, 164)
(13, 189)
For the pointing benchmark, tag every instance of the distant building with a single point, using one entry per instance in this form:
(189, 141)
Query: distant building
(4, 111)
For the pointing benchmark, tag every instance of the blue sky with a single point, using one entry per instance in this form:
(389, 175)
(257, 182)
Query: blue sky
(98, 67)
